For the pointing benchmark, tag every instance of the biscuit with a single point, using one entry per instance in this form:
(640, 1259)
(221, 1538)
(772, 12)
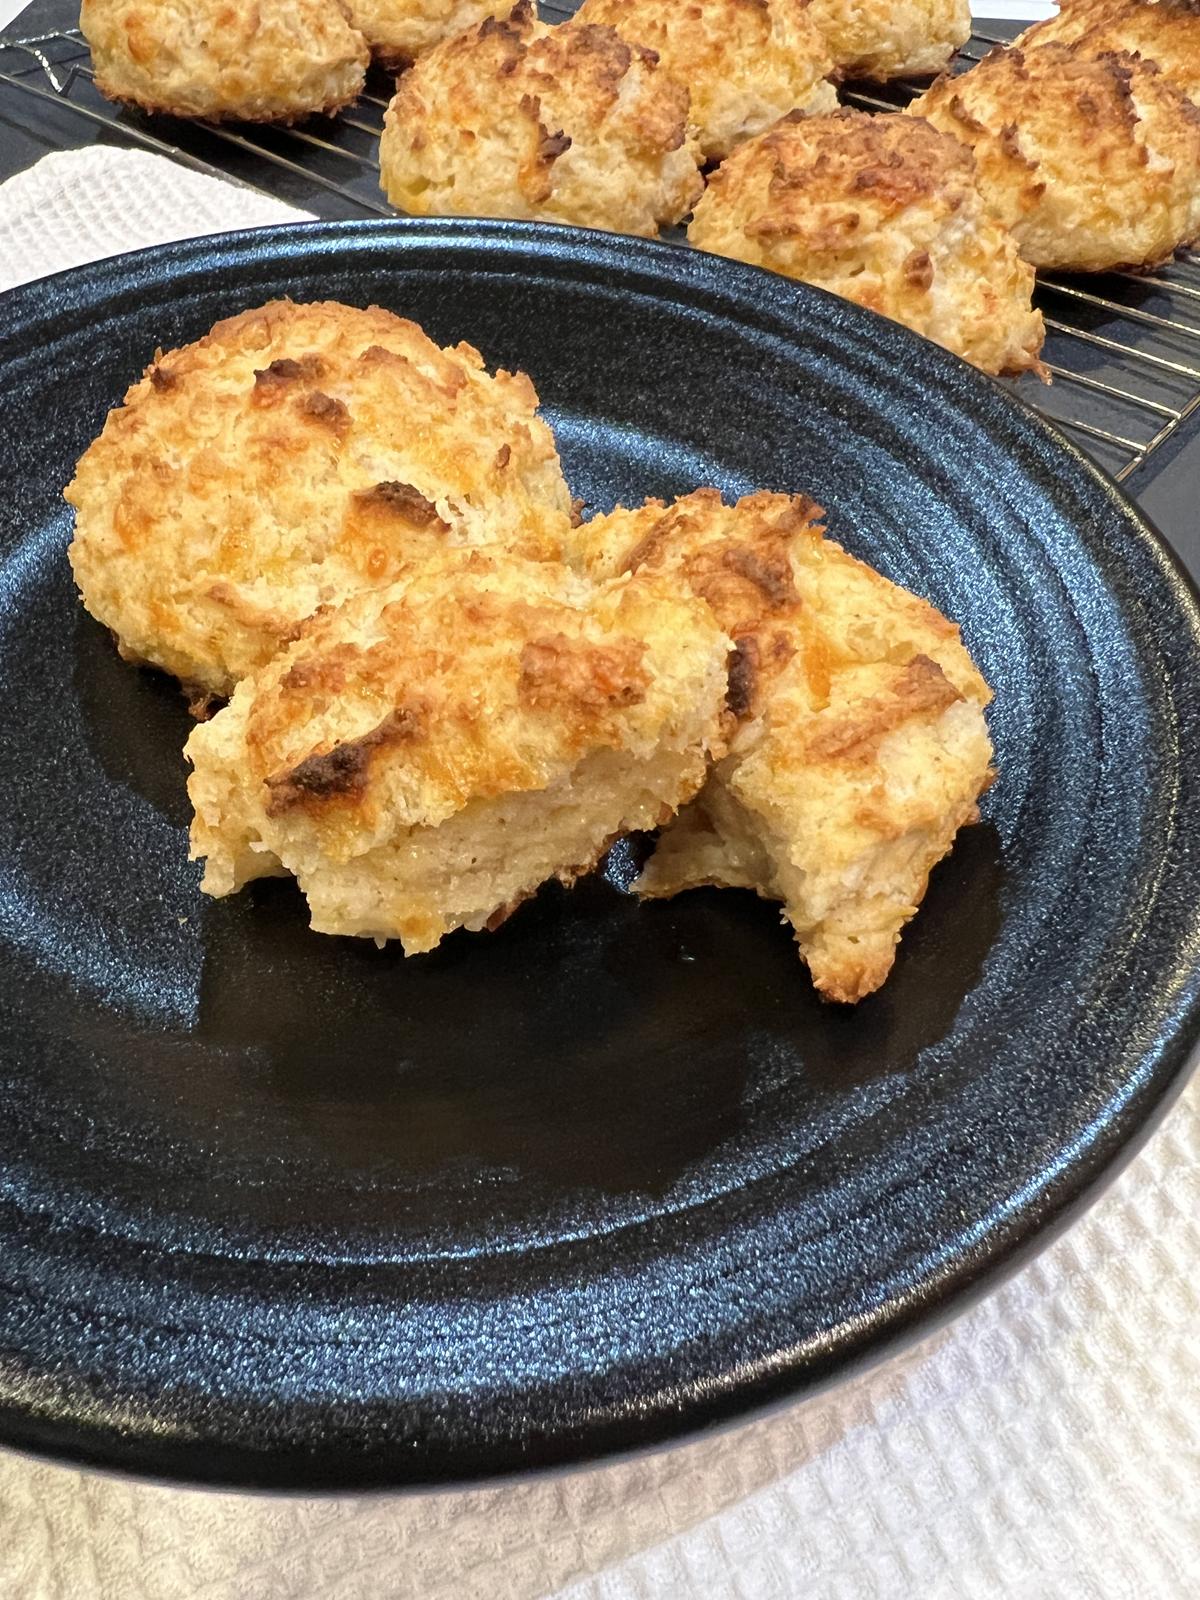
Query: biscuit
(859, 745)
(568, 124)
(1094, 163)
(881, 39)
(745, 62)
(398, 31)
(1166, 32)
(296, 454)
(270, 61)
(885, 212)
(424, 756)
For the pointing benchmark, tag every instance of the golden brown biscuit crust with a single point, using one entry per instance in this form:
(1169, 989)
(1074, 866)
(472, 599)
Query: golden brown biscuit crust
(1093, 162)
(744, 62)
(884, 211)
(270, 61)
(293, 455)
(569, 124)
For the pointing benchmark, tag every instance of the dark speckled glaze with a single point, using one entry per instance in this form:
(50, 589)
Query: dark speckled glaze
(290, 1211)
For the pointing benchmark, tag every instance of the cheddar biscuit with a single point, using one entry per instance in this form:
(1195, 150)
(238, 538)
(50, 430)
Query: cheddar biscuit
(1092, 162)
(744, 62)
(882, 39)
(425, 755)
(266, 61)
(296, 454)
(569, 124)
(884, 211)
(398, 31)
(859, 745)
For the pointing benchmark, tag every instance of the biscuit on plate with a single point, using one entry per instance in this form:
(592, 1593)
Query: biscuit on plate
(425, 755)
(886, 212)
(296, 454)
(1094, 163)
(744, 64)
(399, 31)
(860, 745)
(266, 61)
(569, 124)
(1166, 32)
(882, 39)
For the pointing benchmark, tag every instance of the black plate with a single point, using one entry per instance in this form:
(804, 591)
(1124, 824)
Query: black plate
(286, 1210)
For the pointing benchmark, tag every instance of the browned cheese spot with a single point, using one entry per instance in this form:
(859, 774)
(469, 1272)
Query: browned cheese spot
(648, 545)
(1010, 142)
(314, 672)
(327, 411)
(918, 269)
(552, 145)
(923, 687)
(403, 501)
(743, 676)
(340, 773)
(557, 672)
(509, 28)
(773, 578)
(959, 112)
(282, 374)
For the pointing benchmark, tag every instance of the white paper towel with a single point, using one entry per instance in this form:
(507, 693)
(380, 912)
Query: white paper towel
(1045, 1447)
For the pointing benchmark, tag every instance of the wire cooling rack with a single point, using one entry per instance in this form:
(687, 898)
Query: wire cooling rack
(1124, 348)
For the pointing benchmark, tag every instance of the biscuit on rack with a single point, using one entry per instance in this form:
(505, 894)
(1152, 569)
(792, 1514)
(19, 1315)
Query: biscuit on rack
(296, 454)
(859, 748)
(884, 211)
(1093, 162)
(426, 755)
(270, 61)
(1166, 32)
(744, 65)
(882, 39)
(398, 31)
(516, 119)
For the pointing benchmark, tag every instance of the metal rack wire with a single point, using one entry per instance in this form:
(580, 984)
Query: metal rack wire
(1124, 349)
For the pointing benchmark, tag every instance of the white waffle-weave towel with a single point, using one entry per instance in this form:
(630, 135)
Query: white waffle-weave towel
(1046, 1446)
(80, 205)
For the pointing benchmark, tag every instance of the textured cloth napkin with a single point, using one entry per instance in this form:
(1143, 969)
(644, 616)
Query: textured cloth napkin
(81, 205)
(1045, 1446)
